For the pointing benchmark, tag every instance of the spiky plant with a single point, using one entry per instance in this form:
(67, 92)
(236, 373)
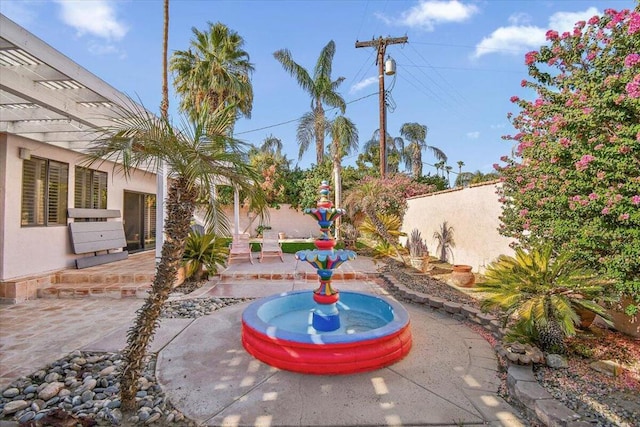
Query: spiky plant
(203, 253)
(540, 292)
(417, 247)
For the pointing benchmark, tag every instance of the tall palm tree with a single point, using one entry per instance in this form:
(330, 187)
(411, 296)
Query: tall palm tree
(321, 89)
(197, 156)
(344, 140)
(416, 134)
(448, 169)
(215, 71)
(460, 165)
(164, 105)
(439, 165)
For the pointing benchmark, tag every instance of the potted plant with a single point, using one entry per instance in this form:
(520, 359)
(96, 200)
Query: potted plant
(541, 294)
(418, 252)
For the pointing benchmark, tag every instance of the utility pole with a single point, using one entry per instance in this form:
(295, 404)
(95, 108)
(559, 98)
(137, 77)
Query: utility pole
(381, 45)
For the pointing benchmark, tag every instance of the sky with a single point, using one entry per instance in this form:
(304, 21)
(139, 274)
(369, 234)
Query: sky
(462, 63)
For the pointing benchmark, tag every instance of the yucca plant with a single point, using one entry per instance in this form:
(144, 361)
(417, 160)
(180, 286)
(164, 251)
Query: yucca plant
(417, 247)
(444, 237)
(540, 292)
(203, 253)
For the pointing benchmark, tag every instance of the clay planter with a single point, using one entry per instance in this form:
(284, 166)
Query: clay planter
(586, 317)
(462, 276)
(417, 262)
(282, 236)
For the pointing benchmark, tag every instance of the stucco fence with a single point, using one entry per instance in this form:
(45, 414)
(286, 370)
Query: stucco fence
(473, 213)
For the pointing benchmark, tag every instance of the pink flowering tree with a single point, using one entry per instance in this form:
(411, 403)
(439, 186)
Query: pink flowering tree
(574, 176)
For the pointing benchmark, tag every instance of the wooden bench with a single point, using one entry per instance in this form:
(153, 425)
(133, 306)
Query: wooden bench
(97, 237)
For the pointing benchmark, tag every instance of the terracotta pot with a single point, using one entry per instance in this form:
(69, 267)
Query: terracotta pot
(417, 262)
(586, 317)
(462, 276)
(628, 325)
(282, 236)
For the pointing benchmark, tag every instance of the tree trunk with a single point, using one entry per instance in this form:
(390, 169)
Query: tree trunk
(337, 183)
(164, 104)
(416, 161)
(180, 207)
(319, 129)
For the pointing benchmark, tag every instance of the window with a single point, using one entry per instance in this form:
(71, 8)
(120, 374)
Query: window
(90, 189)
(44, 192)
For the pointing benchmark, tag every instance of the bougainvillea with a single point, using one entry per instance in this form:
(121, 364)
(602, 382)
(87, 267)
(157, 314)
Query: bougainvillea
(574, 176)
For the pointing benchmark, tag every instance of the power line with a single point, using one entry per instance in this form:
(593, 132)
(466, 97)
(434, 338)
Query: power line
(295, 120)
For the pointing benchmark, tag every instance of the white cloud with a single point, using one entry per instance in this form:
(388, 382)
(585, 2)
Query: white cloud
(96, 18)
(512, 39)
(565, 21)
(498, 126)
(473, 135)
(363, 84)
(426, 14)
(516, 39)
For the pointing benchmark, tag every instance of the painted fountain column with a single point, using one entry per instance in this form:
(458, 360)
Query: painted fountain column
(325, 259)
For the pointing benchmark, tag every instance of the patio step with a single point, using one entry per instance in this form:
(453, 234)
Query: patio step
(299, 275)
(95, 290)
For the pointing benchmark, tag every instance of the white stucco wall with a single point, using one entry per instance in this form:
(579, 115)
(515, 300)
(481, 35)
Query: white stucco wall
(472, 212)
(28, 251)
(291, 221)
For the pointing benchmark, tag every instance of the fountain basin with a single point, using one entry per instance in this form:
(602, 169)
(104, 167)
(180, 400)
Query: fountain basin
(374, 333)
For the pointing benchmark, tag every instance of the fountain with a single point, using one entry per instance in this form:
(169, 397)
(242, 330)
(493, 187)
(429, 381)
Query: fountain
(326, 331)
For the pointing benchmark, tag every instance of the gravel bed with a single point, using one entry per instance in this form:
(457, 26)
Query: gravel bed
(601, 400)
(83, 387)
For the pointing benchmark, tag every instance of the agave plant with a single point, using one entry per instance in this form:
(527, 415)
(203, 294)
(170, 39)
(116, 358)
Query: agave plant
(203, 253)
(541, 294)
(417, 247)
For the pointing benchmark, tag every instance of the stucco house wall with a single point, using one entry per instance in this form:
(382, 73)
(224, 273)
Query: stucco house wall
(473, 213)
(30, 251)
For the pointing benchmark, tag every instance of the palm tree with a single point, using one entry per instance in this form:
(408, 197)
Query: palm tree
(444, 237)
(412, 154)
(272, 145)
(214, 71)
(460, 165)
(197, 156)
(395, 148)
(321, 89)
(439, 165)
(344, 139)
(448, 169)
(164, 105)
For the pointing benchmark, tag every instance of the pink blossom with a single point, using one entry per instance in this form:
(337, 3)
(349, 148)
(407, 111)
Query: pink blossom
(631, 60)
(524, 212)
(605, 211)
(634, 23)
(633, 87)
(523, 83)
(635, 200)
(565, 35)
(514, 99)
(600, 175)
(638, 136)
(591, 55)
(594, 20)
(599, 147)
(530, 57)
(583, 163)
(565, 142)
(587, 110)
(580, 24)
(569, 103)
(625, 149)
(552, 35)
(576, 198)
(623, 217)
(593, 196)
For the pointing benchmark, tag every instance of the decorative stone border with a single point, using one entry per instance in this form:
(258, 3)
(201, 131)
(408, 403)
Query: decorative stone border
(521, 382)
